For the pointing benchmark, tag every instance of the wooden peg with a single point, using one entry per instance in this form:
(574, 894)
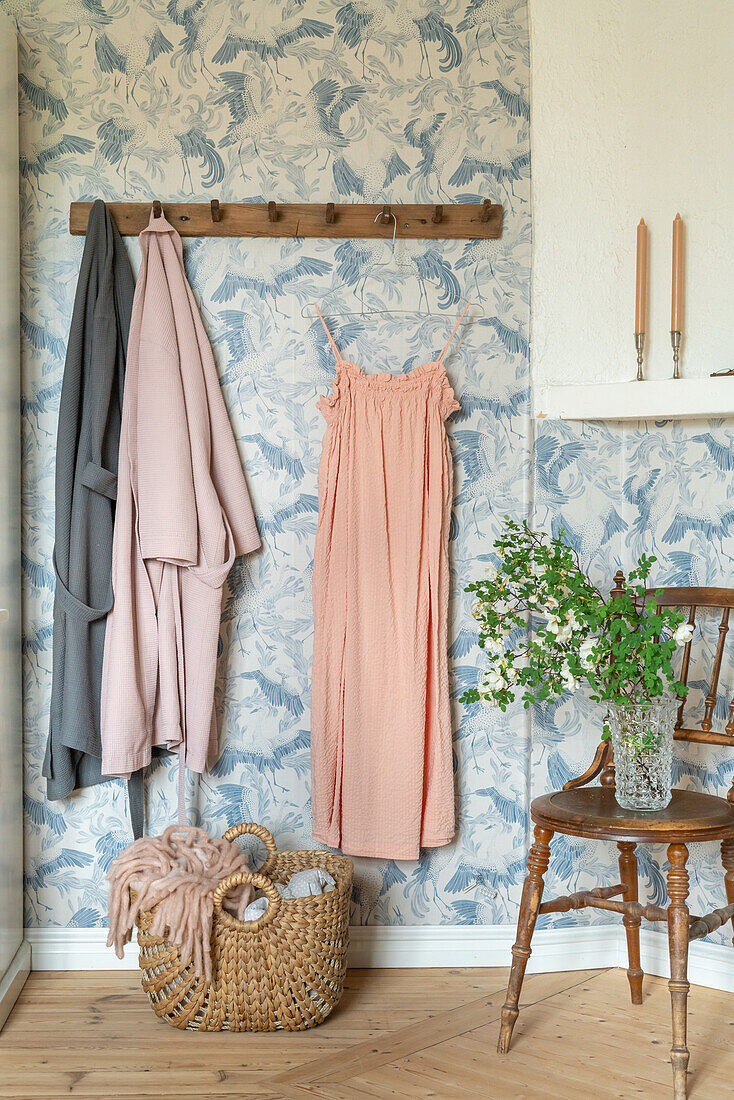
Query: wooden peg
(330, 215)
(486, 206)
(157, 209)
(216, 210)
(272, 212)
(437, 215)
(385, 219)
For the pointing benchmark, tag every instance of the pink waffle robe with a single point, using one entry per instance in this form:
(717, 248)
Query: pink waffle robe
(183, 514)
(381, 756)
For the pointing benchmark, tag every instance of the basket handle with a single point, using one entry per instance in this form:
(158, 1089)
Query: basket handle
(262, 834)
(260, 882)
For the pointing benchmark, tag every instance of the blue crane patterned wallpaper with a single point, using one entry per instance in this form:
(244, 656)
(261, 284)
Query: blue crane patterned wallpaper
(313, 100)
(309, 101)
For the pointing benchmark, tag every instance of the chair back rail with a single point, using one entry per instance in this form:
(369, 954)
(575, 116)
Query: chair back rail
(692, 599)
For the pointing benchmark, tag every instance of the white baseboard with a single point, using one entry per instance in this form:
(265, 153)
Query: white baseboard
(480, 945)
(710, 964)
(14, 980)
(567, 948)
(77, 949)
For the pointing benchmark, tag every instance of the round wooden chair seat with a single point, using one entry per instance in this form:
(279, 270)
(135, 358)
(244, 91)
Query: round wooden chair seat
(593, 812)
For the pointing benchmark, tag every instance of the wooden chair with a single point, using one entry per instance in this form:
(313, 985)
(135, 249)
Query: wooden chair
(594, 814)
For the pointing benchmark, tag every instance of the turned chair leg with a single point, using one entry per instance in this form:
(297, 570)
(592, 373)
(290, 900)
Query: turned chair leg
(678, 944)
(727, 858)
(532, 893)
(628, 876)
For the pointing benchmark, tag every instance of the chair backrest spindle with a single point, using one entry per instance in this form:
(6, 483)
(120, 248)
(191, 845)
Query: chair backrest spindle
(706, 724)
(730, 723)
(684, 667)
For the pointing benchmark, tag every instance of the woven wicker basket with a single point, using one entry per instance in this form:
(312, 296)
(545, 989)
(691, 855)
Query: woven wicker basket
(284, 971)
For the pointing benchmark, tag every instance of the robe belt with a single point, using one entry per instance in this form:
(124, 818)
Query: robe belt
(99, 480)
(74, 606)
(214, 576)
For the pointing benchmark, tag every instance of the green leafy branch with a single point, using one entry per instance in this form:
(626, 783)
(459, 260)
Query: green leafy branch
(546, 629)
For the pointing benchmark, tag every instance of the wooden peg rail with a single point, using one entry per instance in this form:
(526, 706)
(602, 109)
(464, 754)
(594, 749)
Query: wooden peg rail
(457, 221)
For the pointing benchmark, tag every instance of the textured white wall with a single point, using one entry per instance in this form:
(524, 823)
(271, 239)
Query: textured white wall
(632, 117)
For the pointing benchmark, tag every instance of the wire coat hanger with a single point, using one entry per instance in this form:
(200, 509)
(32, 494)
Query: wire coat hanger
(427, 314)
(390, 214)
(381, 312)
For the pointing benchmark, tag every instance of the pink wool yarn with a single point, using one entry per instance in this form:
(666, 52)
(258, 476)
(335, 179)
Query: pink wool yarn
(177, 873)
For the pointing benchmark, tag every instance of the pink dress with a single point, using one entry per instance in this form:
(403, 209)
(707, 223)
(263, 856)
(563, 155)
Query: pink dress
(381, 759)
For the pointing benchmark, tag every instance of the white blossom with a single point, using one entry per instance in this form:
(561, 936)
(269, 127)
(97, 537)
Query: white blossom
(494, 680)
(586, 652)
(570, 682)
(683, 634)
(562, 630)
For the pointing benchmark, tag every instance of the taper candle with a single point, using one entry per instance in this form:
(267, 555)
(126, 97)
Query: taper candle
(676, 309)
(641, 287)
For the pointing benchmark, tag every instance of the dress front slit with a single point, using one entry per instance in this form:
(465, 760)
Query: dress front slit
(382, 773)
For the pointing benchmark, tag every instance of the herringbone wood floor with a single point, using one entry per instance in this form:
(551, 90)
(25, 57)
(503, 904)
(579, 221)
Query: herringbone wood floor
(397, 1033)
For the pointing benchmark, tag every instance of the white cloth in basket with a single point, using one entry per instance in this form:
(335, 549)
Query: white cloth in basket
(303, 884)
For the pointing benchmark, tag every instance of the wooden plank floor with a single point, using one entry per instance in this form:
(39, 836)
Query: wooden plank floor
(397, 1033)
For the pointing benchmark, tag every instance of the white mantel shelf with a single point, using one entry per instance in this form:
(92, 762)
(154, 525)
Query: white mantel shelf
(660, 399)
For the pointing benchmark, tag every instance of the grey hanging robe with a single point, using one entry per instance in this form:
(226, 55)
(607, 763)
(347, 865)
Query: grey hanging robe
(86, 486)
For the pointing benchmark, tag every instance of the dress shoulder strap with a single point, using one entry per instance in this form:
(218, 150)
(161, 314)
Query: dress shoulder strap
(448, 342)
(334, 348)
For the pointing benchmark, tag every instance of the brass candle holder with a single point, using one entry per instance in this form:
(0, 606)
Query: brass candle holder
(640, 345)
(675, 338)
